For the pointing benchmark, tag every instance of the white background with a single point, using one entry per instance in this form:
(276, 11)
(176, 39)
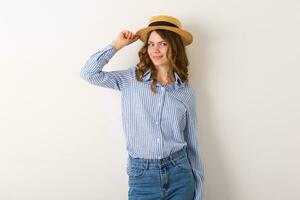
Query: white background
(62, 139)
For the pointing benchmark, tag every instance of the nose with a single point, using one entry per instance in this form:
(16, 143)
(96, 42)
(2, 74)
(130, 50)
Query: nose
(156, 48)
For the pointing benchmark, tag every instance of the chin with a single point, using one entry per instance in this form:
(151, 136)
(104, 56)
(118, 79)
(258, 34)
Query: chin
(158, 62)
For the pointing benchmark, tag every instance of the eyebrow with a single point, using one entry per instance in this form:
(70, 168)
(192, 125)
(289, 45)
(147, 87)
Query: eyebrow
(158, 42)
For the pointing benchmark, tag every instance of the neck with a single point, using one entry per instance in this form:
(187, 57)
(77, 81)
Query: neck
(163, 74)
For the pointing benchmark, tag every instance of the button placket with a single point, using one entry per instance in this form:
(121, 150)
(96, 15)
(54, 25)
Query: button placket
(161, 97)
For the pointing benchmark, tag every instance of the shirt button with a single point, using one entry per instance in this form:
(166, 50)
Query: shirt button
(157, 140)
(162, 88)
(159, 104)
(156, 122)
(159, 157)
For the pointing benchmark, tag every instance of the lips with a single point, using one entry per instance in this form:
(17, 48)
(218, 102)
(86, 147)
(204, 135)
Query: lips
(157, 57)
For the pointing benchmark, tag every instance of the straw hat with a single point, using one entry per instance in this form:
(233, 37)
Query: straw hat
(167, 23)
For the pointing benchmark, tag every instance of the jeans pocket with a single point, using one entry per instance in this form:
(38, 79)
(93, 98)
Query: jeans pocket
(135, 172)
(183, 165)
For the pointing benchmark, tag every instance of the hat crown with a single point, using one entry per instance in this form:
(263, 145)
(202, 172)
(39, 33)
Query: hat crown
(165, 22)
(165, 18)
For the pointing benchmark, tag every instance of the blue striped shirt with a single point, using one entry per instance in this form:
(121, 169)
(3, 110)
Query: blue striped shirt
(155, 125)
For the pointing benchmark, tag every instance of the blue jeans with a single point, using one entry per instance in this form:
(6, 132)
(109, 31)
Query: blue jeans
(169, 178)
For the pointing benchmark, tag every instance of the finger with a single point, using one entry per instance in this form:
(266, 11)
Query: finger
(124, 34)
(136, 37)
(131, 36)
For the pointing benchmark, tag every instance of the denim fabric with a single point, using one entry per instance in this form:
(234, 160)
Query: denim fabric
(169, 178)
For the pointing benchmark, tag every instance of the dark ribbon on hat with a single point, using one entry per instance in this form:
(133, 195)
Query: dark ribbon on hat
(162, 23)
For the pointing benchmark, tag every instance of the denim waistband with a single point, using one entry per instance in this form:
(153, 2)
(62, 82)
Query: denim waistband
(158, 163)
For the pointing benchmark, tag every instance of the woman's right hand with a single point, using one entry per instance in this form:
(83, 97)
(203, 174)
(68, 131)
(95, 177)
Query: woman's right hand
(124, 38)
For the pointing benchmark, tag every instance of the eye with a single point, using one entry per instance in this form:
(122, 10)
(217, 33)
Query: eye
(164, 44)
(150, 44)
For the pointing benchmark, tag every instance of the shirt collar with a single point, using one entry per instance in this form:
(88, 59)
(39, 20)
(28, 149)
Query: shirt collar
(178, 82)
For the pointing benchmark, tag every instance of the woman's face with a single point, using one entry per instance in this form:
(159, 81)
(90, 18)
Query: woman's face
(157, 49)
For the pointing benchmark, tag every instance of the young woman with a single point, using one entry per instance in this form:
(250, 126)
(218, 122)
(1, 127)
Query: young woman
(158, 111)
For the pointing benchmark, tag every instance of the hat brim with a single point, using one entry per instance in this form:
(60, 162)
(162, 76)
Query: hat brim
(186, 37)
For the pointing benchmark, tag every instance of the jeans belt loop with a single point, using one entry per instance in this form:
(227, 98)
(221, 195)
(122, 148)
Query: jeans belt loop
(146, 164)
(172, 160)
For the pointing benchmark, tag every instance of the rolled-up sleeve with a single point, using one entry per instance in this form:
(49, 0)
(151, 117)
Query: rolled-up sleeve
(93, 72)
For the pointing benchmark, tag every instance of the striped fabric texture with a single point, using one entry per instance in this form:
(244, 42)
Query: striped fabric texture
(155, 125)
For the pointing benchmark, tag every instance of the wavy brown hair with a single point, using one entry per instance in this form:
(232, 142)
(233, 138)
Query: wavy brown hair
(176, 56)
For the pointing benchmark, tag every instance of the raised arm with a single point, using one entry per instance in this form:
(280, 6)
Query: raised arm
(92, 70)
